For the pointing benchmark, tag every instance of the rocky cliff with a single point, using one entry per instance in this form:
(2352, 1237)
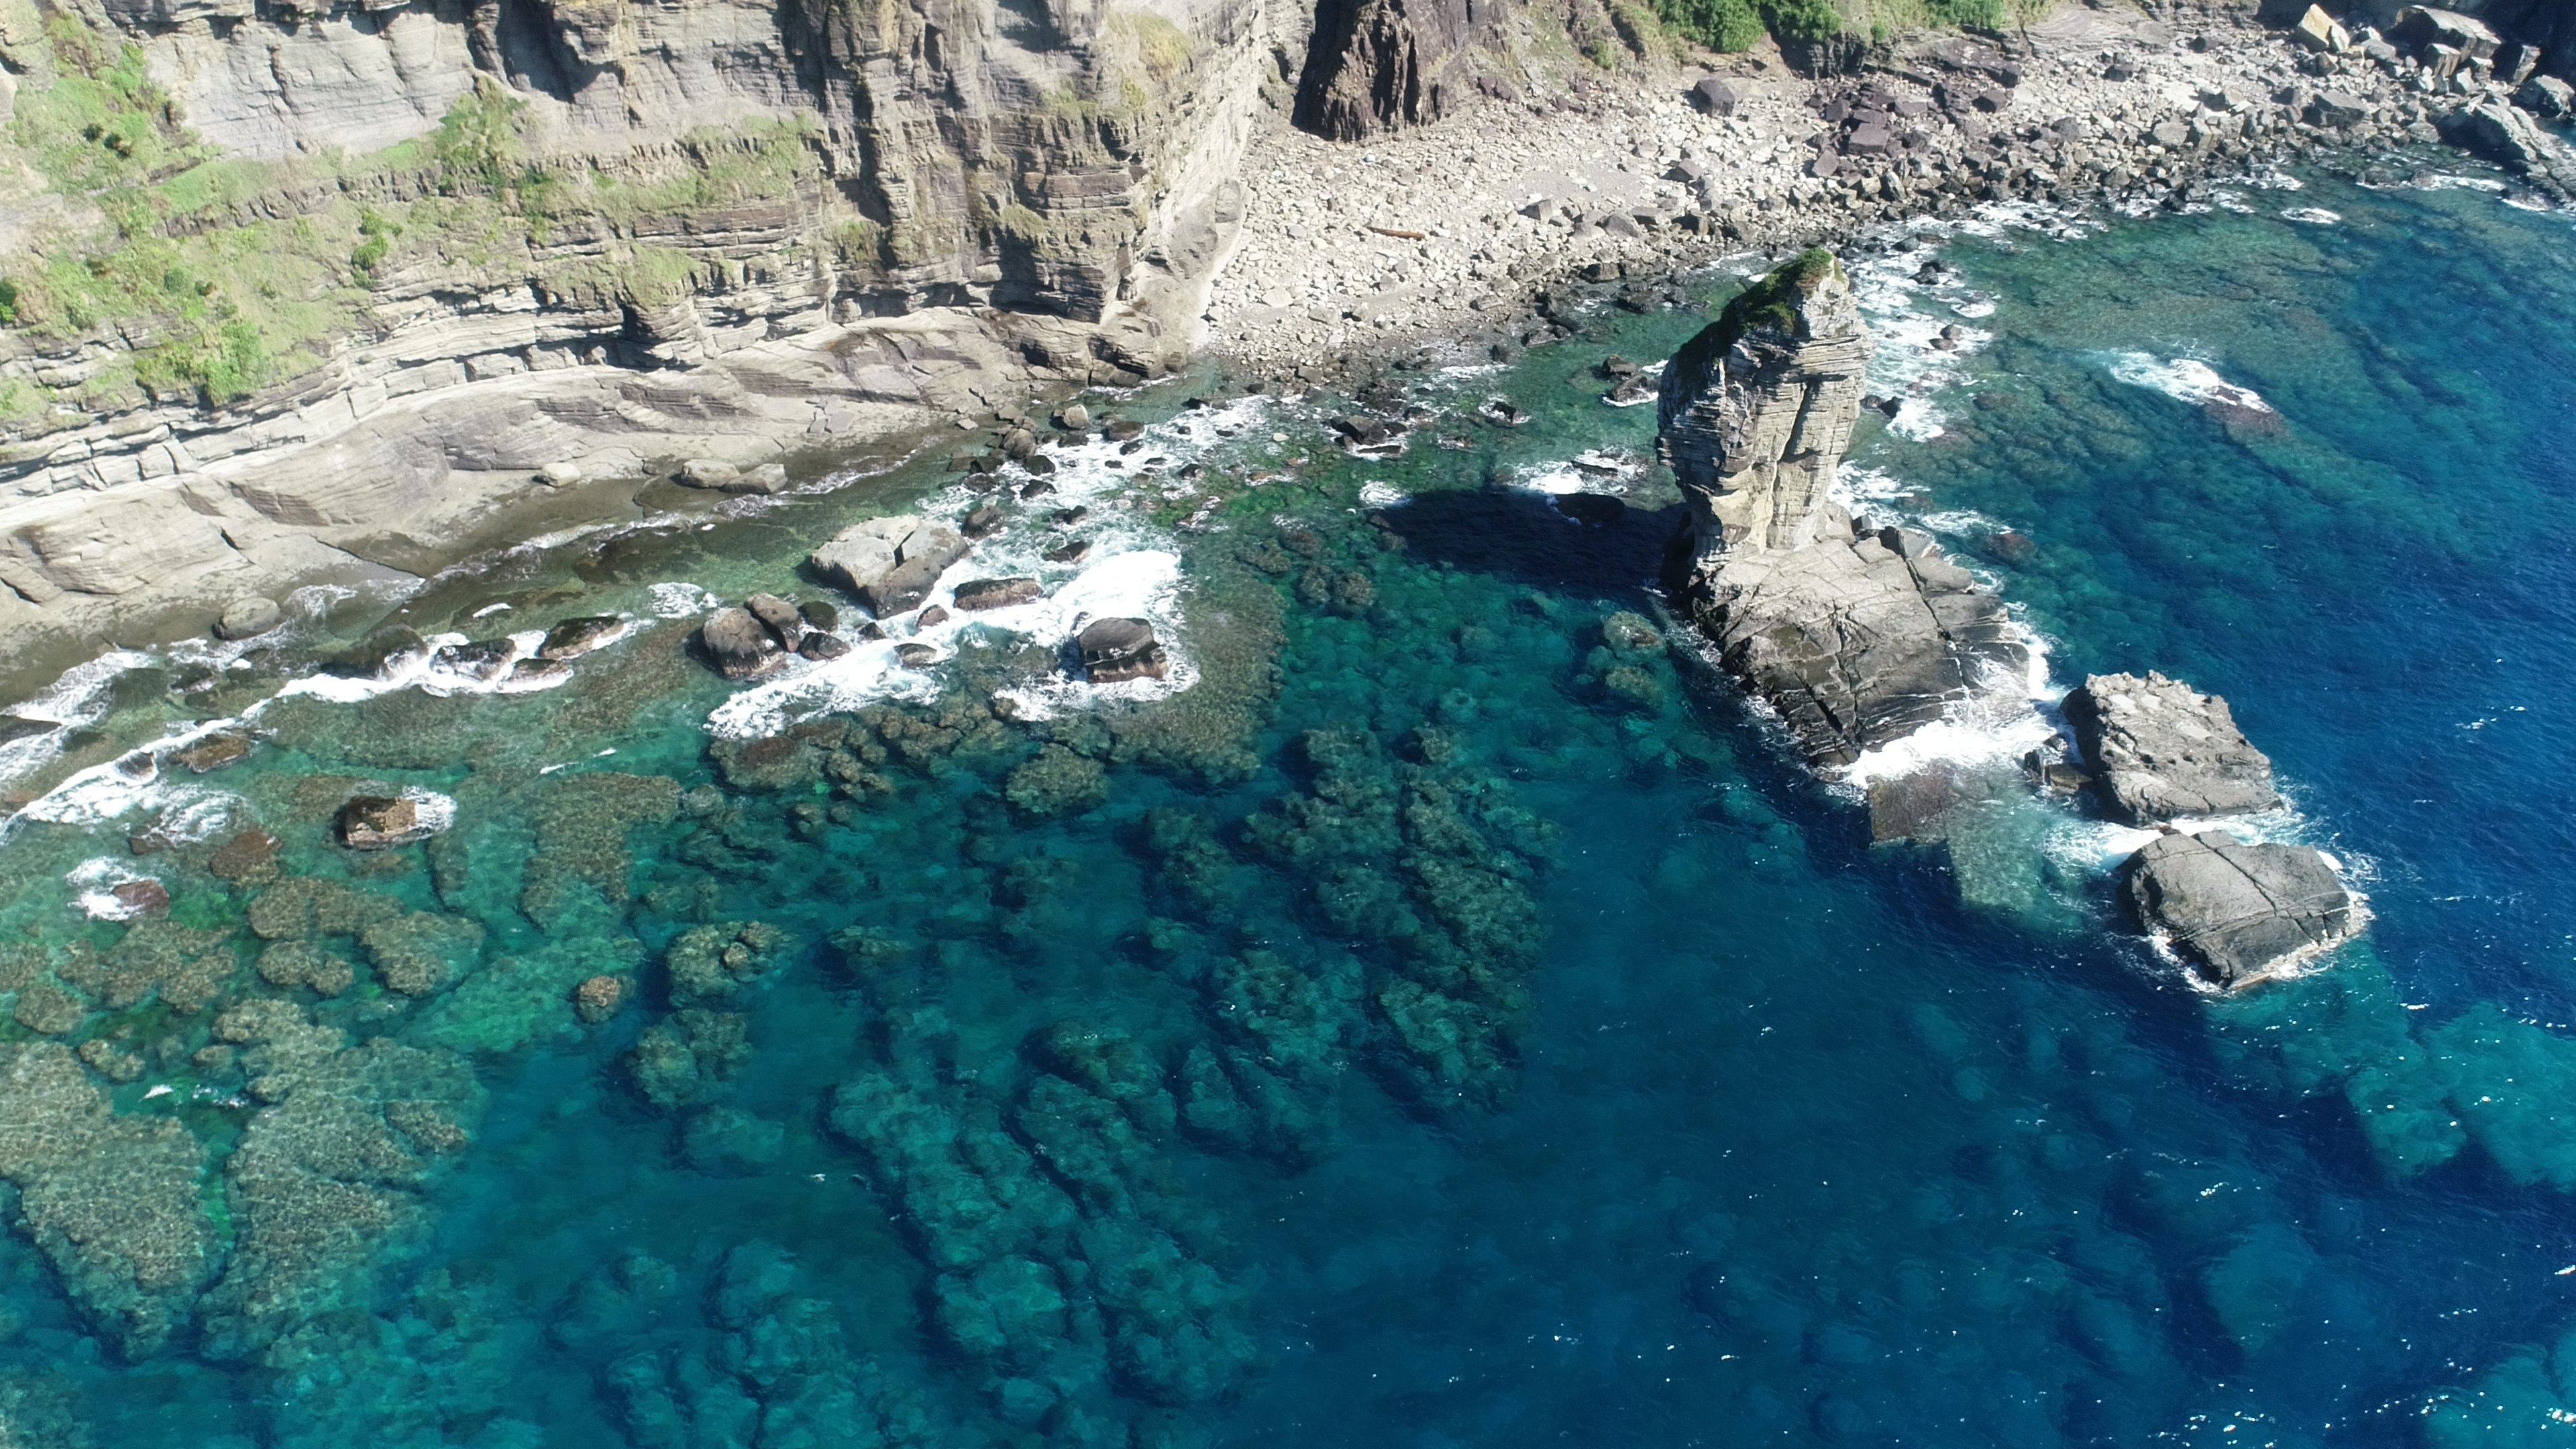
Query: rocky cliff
(304, 291)
(1858, 637)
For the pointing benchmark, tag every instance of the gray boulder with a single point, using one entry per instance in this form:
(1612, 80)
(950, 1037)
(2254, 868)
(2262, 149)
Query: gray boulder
(975, 594)
(248, 618)
(380, 822)
(2162, 750)
(2236, 912)
(2547, 95)
(1120, 649)
(709, 473)
(785, 623)
(890, 564)
(1714, 97)
(480, 659)
(739, 645)
(2501, 133)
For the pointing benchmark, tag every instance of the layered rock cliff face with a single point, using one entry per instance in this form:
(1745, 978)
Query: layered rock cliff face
(1856, 638)
(304, 289)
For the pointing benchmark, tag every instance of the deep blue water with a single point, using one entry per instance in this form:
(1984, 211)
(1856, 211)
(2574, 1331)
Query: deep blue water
(1449, 1021)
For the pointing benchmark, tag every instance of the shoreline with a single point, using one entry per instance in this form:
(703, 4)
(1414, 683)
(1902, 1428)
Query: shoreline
(1645, 185)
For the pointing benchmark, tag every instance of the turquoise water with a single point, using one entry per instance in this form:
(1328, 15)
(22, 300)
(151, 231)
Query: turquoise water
(1448, 1019)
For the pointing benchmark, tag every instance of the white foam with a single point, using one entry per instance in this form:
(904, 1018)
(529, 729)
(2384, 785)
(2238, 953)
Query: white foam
(2186, 379)
(79, 697)
(682, 601)
(1378, 493)
(2446, 181)
(2312, 215)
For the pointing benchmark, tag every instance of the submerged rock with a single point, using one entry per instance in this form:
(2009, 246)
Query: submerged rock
(2164, 751)
(481, 659)
(977, 594)
(1857, 638)
(385, 653)
(1121, 649)
(380, 822)
(2237, 912)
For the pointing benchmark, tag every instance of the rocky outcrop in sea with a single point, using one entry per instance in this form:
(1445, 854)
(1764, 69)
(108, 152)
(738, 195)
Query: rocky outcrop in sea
(1860, 636)
(1856, 635)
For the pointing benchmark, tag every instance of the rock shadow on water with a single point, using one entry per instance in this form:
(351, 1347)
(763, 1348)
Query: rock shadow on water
(1589, 542)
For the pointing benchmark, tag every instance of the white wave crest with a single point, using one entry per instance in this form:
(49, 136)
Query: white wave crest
(2186, 379)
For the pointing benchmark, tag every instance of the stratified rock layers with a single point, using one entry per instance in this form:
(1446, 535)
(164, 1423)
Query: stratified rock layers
(1855, 640)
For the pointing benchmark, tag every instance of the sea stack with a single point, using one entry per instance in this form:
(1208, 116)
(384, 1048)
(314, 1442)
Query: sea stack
(1856, 636)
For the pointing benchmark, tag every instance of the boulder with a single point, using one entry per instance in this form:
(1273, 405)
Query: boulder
(559, 475)
(2426, 26)
(137, 899)
(2500, 132)
(983, 522)
(2236, 912)
(820, 615)
(2161, 750)
(1121, 649)
(784, 623)
(709, 473)
(767, 478)
(2547, 95)
(2336, 109)
(2318, 31)
(975, 594)
(385, 653)
(248, 618)
(1075, 418)
(573, 638)
(480, 659)
(890, 564)
(1122, 430)
(597, 998)
(1714, 97)
(214, 752)
(739, 645)
(819, 646)
(380, 822)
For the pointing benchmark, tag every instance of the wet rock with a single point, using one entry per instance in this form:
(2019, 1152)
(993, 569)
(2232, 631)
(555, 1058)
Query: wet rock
(915, 656)
(2236, 912)
(979, 594)
(739, 645)
(890, 564)
(820, 615)
(1120, 649)
(2010, 546)
(1074, 552)
(536, 674)
(248, 618)
(380, 822)
(596, 999)
(931, 618)
(780, 617)
(2165, 751)
(984, 522)
(1056, 782)
(819, 646)
(136, 899)
(481, 659)
(1122, 430)
(385, 653)
(1856, 639)
(215, 752)
(573, 638)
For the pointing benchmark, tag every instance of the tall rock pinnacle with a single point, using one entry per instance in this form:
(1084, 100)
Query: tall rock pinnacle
(1857, 638)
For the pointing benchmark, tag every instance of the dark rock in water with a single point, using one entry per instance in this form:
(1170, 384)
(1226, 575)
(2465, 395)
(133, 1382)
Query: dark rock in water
(975, 594)
(1856, 639)
(214, 752)
(2009, 546)
(14, 727)
(1120, 430)
(529, 673)
(483, 659)
(931, 618)
(1068, 517)
(784, 623)
(1629, 390)
(1035, 491)
(250, 857)
(819, 614)
(819, 646)
(739, 645)
(1040, 464)
(1119, 649)
(915, 656)
(386, 652)
(379, 822)
(1919, 807)
(136, 899)
(573, 638)
(984, 522)
(2164, 751)
(1361, 429)
(1074, 552)
(2235, 911)
(1597, 510)
(1614, 367)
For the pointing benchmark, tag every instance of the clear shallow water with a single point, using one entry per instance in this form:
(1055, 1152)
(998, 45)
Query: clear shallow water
(1442, 1023)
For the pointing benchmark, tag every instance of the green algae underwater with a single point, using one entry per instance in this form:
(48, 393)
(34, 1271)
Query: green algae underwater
(1438, 1015)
